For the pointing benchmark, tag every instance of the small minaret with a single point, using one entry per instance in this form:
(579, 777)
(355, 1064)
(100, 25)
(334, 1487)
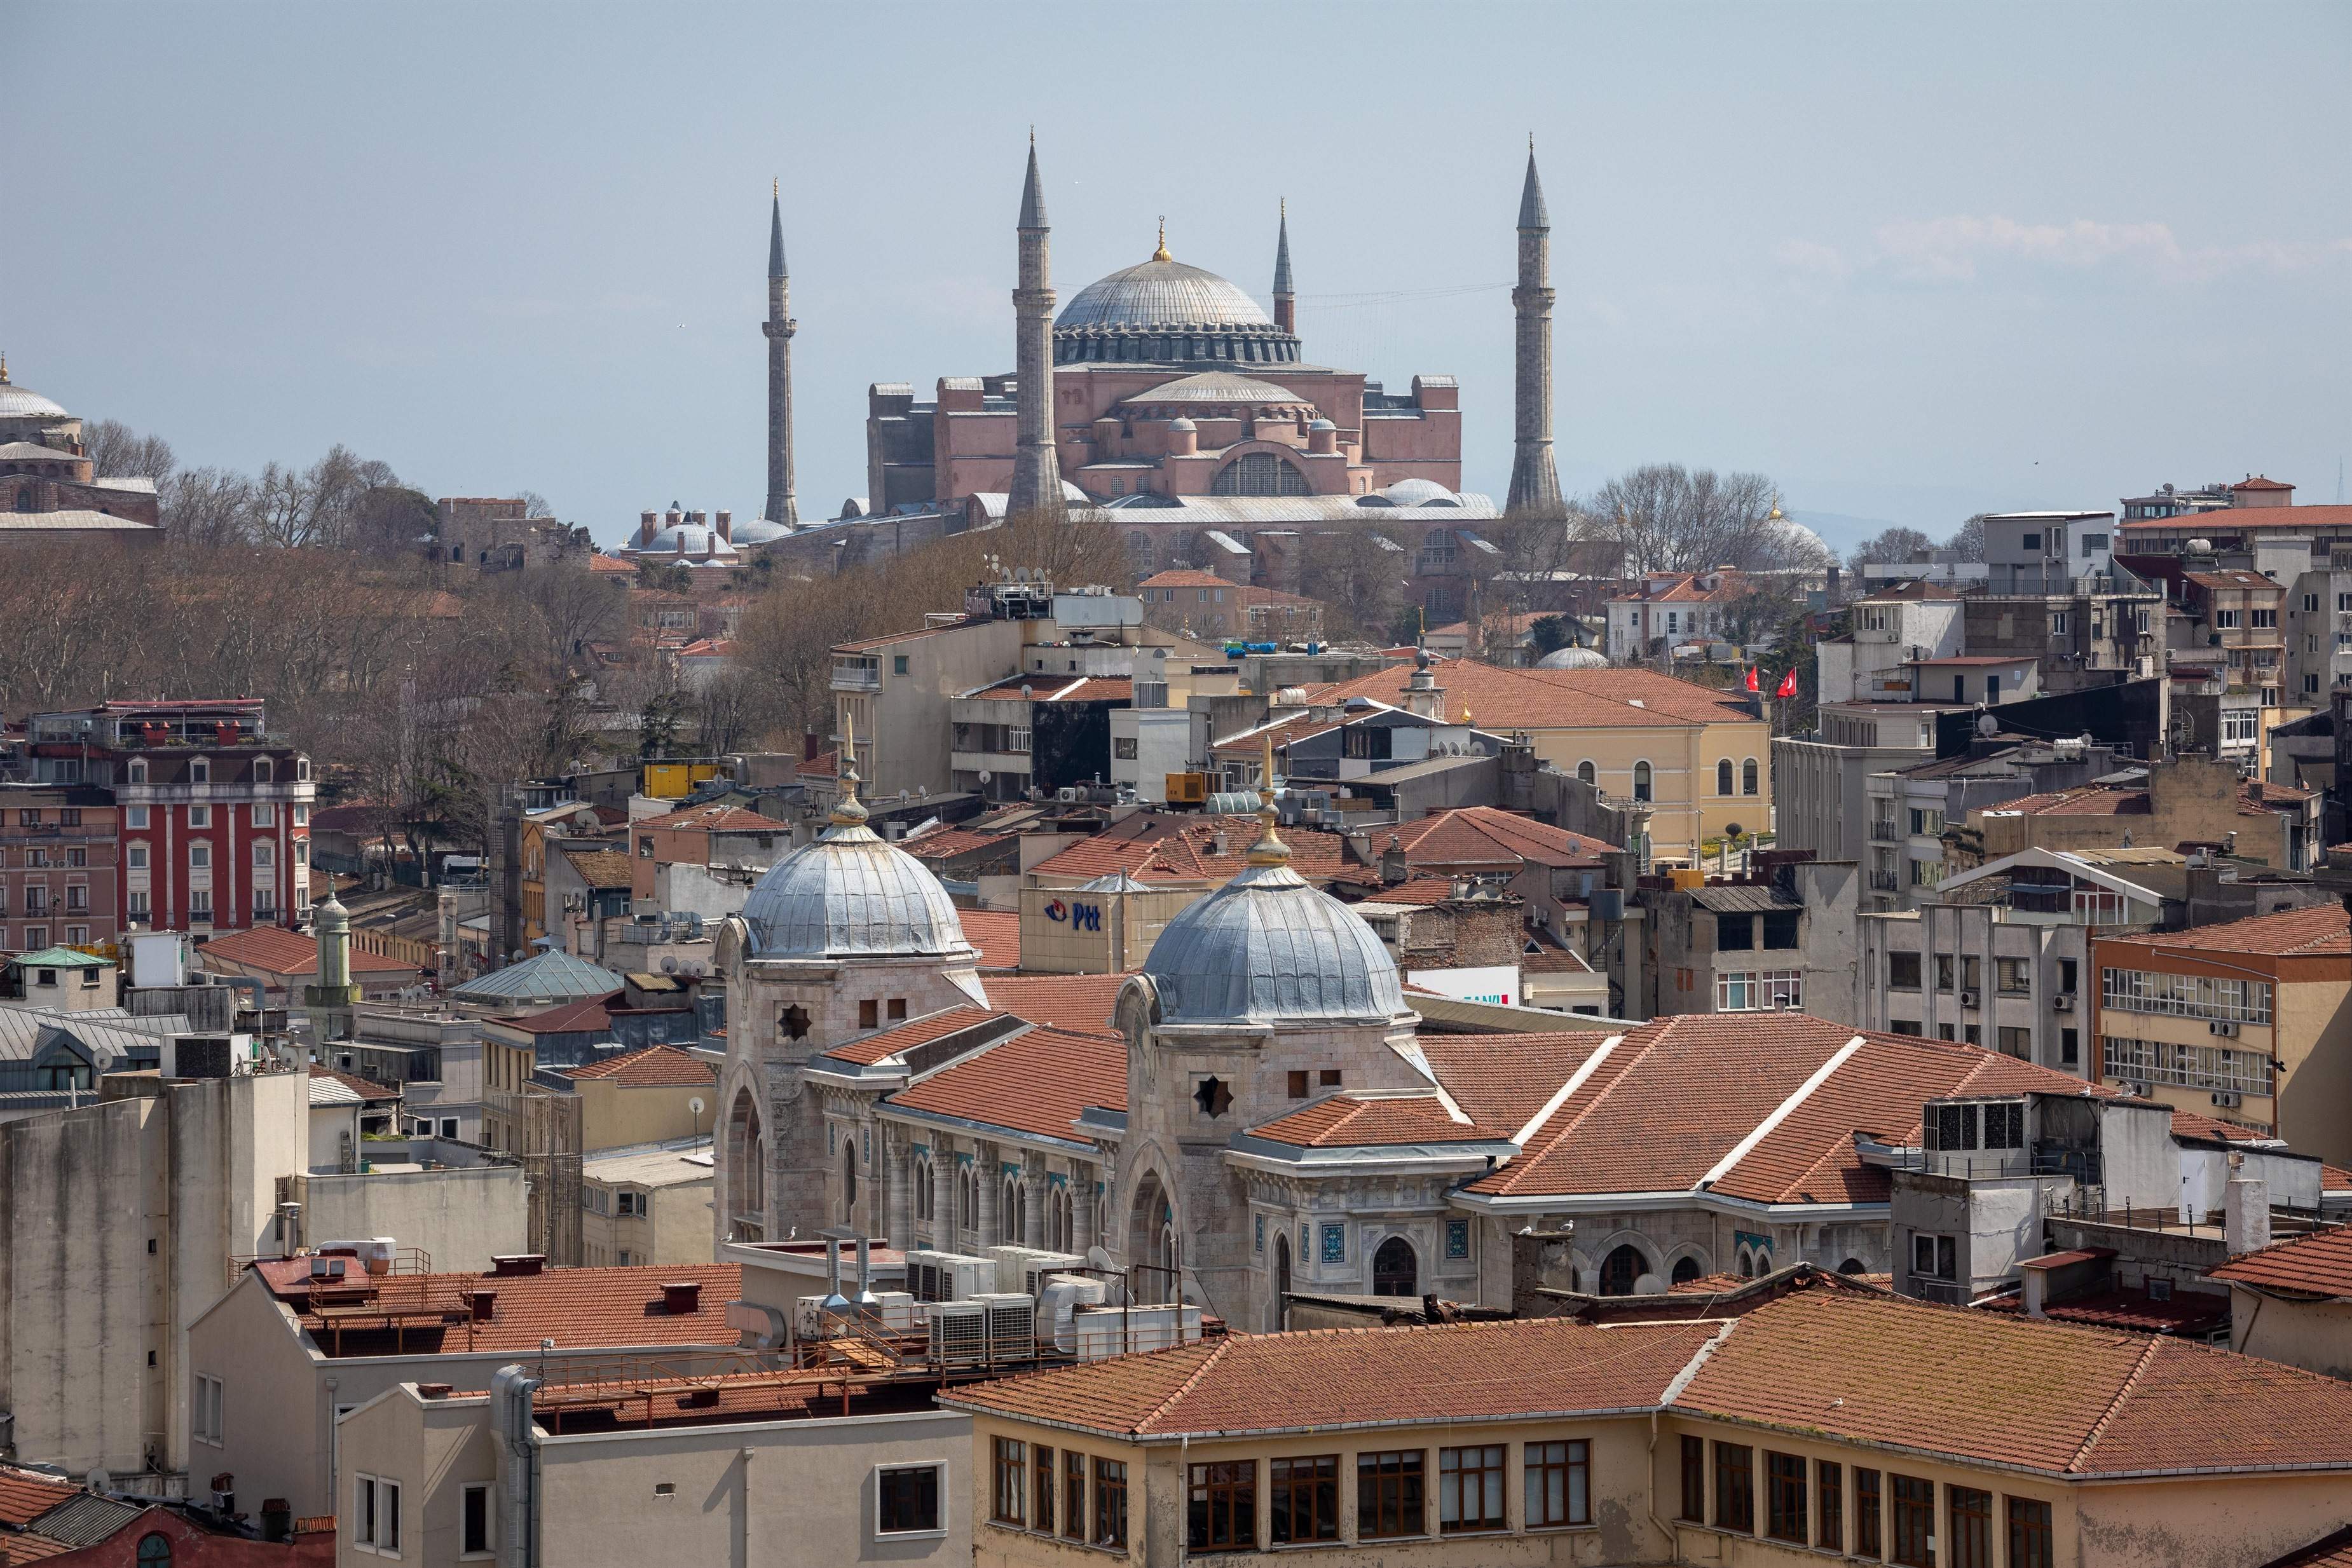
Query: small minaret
(330, 1001)
(778, 328)
(1534, 482)
(1036, 490)
(1286, 303)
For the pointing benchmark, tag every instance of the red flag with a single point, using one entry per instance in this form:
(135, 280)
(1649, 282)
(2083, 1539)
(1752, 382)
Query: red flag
(1751, 679)
(1788, 687)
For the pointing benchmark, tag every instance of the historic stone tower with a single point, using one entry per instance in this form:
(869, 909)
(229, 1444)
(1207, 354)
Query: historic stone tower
(1534, 482)
(1036, 467)
(780, 327)
(1286, 303)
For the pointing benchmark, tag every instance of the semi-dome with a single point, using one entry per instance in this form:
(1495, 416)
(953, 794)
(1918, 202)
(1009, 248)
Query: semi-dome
(688, 540)
(1269, 948)
(1572, 658)
(1205, 387)
(758, 531)
(1163, 311)
(852, 895)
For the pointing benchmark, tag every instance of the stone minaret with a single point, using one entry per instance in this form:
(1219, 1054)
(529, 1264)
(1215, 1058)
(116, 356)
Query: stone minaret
(1286, 303)
(780, 327)
(1036, 466)
(1534, 482)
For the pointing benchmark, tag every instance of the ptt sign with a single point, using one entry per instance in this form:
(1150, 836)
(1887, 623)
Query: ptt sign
(1079, 916)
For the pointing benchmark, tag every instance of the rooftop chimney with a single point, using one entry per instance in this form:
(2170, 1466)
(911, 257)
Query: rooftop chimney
(681, 1298)
(647, 522)
(726, 525)
(834, 1301)
(485, 1304)
(433, 1391)
(518, 1265)
(2246, 1213)
(867, 1303)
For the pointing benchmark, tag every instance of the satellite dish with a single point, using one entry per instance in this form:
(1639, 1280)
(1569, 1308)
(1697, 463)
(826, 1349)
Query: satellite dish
(694, 1106)
(669, 965)
(984, 775)
(1098, 1259)
(98, 1479)
(1649, 1285)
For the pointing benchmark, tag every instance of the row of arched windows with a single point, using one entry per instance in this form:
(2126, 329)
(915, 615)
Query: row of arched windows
(1645, 778)
(1012, 1208)
(1749, 777)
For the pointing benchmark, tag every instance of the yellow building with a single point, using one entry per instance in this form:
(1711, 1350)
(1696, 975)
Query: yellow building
(2249, 1021)
(1699, 758)
(1834, 1420)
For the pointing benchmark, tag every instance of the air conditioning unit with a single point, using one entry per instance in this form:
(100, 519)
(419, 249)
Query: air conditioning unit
(959, 1333)
(2222, 1026)
(949, 1276)
(1106, 1330)
(898, 1312)
(1021, 1268)
(1059, 1299)
(2226, 1099)
(808, 1320)
(1011, 1326)
(1968, 998)
(2063, 1002)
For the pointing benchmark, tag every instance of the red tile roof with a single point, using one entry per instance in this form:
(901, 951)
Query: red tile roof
(2330, 1551)
(25, 1495)
(602, 868)
(1419, 891)
(2290, 932)
(1327, 1378)
(996, 932)
(1357, 1121)
(1042, 687)
(579, 1309)
(881, 1047)
(944, 842)
(863, 643)
(2317, 1265)
(824, 765)
(1677, 1096)
(1151, 848)
(1037, 1083)
(1471, 837)
(277, 951)
(2092, 800)
(2192, 1312)
(655, 1067)
(1185, 578)
(1082, 1002)
(30, 1548)
(2045, 1397)
(2260, 482)
(1503, 1080)
(2237, 519)
(367, 1089)
(1559, 699)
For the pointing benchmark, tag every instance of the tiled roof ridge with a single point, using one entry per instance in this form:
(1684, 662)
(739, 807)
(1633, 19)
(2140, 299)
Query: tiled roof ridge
(1557, 1130)
(2131, 1381)
(1191, 1381)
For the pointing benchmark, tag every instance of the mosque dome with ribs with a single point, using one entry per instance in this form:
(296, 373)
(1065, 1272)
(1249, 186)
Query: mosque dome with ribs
(1162, 311)
(850, 895)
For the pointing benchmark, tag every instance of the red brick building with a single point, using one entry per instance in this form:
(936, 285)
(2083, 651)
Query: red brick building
(59, 873)
(210, 818)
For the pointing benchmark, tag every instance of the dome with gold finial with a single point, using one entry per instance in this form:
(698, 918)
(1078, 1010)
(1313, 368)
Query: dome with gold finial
(1163, 311)
(1269, 948)
(852, 894)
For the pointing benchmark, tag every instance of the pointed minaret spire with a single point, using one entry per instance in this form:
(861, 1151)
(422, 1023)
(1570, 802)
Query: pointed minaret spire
(1286, 303)
(1037, 489)
(1269, 850)
(779, 328)
(1535, 481)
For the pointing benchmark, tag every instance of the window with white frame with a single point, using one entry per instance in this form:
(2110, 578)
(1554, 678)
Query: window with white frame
(200, 857)
(2215, 1068)
(1763, 989)
(2185, 995)
(204, 1420)
(200, 771)
(134, 816)
(907, 1499)
(265, 815)
(200, 816)
(476, 1527)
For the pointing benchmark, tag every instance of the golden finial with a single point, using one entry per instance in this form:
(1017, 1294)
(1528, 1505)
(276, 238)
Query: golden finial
(776, 186)
(848, 811)
(1465, 714)
(1269, 850)
(1161, 253)
(1776, 507)
(4, 367)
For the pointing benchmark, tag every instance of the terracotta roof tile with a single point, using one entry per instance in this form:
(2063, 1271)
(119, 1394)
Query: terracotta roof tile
(2192, 1312)
(655, 1067)
(25, 1495)
(996, 932)
(945, 842)
(715, 818)
(579, 1309)
(2043, 1395)
(278, 951)
(367, 1089)
(603, 868)
(1559, 699)
(1037, 1083)
(2330, 1551)
(1352, 1378)
(1042, 687)
(824, 765)
(1080, 1002)
(1483, 836)
(1353, 1121)
(2319, 1264)
(2095, 801)
(2290, 932)
(1158, 849)
(590, 1016)
(1419, 890)
(1185, 578)
(881, 1047)
(1503, 1080)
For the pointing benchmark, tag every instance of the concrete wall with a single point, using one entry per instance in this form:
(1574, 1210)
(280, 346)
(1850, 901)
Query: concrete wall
(433, 1449)
(2316, 1335)
(678, 1230)
(462, 1218)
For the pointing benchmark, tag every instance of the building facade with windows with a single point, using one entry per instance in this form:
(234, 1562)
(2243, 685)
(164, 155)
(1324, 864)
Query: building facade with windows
(2249, 1022)
(212, 816)
(1820, 1424)
(60, 866)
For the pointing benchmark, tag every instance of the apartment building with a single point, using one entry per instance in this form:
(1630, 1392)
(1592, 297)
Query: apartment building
(212, 816)
(1823, 1422)
(1783, 939)
(650, 1204)
(2292, 1301)
(1910, 807)
(1678, 607)
(713, 835)
(2250, 1022)
(2192, 799)
(60, 866)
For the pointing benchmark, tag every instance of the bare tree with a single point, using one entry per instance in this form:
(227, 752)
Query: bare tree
(1891, 547)
(1666, 517)
(1969, 543)
(207, 508)
(118, 451)
(1357, 580)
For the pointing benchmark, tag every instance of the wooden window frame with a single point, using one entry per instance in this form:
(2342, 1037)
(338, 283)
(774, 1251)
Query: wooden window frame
(1735, 1488)
(1573, 1464)
(1472, 1464)
(1221, 1506)
(1786, 1515)
(1008, 1491)
(1305, 1494)
(1394, 1483)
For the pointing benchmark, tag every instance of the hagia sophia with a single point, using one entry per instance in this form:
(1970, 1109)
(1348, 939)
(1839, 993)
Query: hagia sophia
(1164, 399)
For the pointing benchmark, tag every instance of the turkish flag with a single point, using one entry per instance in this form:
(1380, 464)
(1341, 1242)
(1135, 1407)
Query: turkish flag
(1751, 679)
(1788, 687)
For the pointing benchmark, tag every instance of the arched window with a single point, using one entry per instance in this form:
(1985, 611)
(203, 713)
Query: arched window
(1260, 474)
(1281, 1281)
(155, 1551)
(1685, 1270)
(1059, 1233)
(967, 1199)
(1747, 777)
(747, 1161)
(1853, 1266)
(1642, 781)
(1621, 1271)
(919, 1182)
(1009, 1217)
(1586, 773)
(25, 504)
(1395, 1271)
(849, 1181)
(1138, 550)
(1763, 1264)
(1723, 776)
(1747, 1265)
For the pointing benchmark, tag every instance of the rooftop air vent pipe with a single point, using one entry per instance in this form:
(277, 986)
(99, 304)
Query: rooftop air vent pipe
(867, 1304)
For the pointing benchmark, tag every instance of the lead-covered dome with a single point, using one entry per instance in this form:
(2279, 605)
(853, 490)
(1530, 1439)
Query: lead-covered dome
(1572, 658)
(1163, 311)
(851, 895)
(1269, 948)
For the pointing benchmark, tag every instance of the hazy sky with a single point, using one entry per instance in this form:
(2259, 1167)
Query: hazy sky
(1910, 260)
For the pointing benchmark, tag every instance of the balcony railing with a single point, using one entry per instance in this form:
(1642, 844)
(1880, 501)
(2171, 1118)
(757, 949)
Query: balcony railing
(1885, 882)
(856, 677)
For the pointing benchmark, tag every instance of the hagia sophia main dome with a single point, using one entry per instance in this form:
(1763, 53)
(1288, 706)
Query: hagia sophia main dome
(1164, 311)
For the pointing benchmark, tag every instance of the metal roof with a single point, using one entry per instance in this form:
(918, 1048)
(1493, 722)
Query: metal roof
(850, 893)
(1160, 296)
(1745, 899)
(85, 1520)
(1269, 948)
(1217, 386)
(24, 403)
(555, 974)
